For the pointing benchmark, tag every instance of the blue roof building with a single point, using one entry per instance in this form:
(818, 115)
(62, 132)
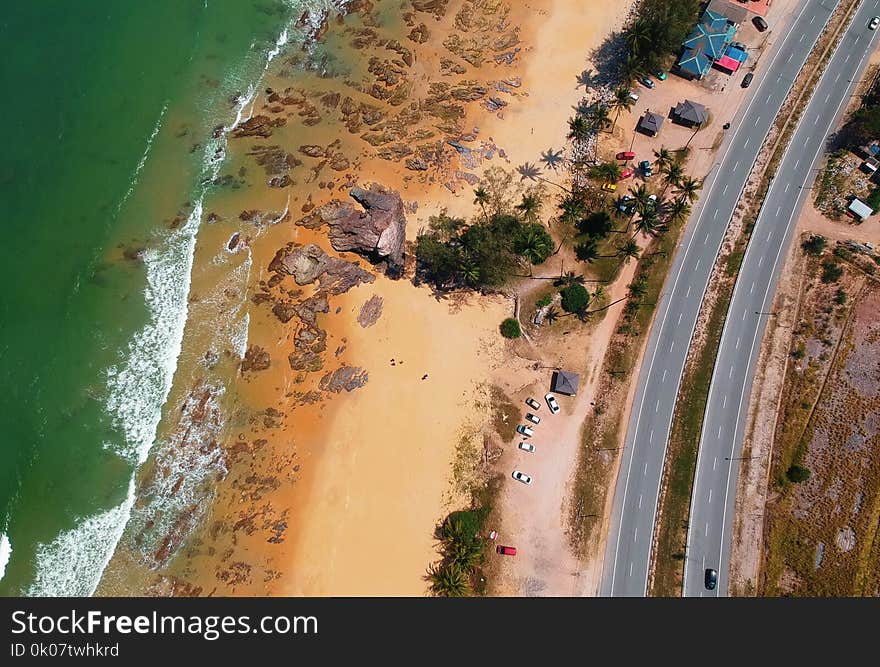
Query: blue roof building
(706, 44)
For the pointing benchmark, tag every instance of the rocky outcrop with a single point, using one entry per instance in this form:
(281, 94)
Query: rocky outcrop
(309, 263)
(255, 359)
(370, 312)
(376, 231)
(348, 378)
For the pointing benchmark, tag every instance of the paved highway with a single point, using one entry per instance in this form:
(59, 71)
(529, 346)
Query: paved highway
(628, 555)
(720, 454)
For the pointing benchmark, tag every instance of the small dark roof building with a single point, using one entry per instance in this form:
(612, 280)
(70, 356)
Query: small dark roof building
(651, 123)
(565, 383)
(691, 113)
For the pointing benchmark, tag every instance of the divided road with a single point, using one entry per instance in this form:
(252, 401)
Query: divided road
(720, 454)
(628, 555)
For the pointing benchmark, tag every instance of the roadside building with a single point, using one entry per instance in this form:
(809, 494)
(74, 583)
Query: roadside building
(707, 44)
(691, 114)
(870, 166)
(860, 210)
(564, 382)
(650, 123)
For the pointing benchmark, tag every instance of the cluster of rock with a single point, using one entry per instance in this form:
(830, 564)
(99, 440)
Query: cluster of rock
(376, 229)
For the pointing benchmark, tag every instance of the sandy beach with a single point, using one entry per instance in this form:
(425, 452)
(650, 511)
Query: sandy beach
(336, 490)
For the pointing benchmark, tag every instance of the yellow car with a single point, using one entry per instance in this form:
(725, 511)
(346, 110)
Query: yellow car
(609, 187)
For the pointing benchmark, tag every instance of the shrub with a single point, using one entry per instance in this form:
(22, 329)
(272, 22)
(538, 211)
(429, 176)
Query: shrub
(544, 301)
(797, 474)
(840, 296)
(831, 271)
(814, 245)
(510, 328)
(575, 298)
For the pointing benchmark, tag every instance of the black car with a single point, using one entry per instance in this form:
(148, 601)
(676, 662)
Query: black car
(760, 23)
(711, 579)
(747, 79)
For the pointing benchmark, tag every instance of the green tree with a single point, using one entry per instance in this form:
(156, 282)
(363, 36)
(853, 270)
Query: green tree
(606, 171)
(481, 198)
(672, 175)
(797, 474)
(662, 159)
(575, 298)
(620, 102)
(629, 250)
(831, 271)
(534, 243)
(814, 245)
(448, 580)
(689, 188)
(579, 128)
(530, 206)
(679, 210)
(510, 328)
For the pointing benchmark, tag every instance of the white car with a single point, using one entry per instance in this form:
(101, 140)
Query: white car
(551, 403)
(521, 477)
(532, 403)
(874, 23)
(525, 430)
(527, 447)
(535, 419)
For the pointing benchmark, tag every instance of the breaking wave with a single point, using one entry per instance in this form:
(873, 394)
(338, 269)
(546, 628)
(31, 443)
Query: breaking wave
(73, 563)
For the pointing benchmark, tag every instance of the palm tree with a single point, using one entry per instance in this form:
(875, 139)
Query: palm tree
(637, 289)
(573, 209)
(642, 198)
(679, 209)
(629, 250)
(468, 269)
(600, 116)
(534, 244)
(648, 224)
(689, 188)
(639, 38)
(673, 173)
(620, 102)
(530, 206)
(447, 580)
(551, 315)
(579, 128)
(569, 278)
(606, 171)
(481, 197)
(662, 158)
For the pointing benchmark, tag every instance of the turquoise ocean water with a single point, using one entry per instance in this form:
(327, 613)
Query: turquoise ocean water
(107, 137)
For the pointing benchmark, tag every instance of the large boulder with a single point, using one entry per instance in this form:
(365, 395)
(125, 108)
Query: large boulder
(309, 263)
(376, 229)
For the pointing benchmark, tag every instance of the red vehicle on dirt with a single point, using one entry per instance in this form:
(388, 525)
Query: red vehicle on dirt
(506, 551)
(626, 155)
(626, 173)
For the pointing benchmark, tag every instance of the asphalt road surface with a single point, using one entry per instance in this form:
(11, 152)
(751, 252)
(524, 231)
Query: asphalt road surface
(628, 554)
(720, 454)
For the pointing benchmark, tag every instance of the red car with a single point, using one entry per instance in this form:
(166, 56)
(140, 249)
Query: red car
(626, 155)
(506, 551)
(626, 173)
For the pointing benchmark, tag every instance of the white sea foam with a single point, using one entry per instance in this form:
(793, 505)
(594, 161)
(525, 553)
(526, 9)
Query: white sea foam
(137, 171)
(71, 565)
(5, 553)
(139, 386)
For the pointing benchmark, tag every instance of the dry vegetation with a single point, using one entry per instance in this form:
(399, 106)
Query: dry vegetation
(822, 533)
